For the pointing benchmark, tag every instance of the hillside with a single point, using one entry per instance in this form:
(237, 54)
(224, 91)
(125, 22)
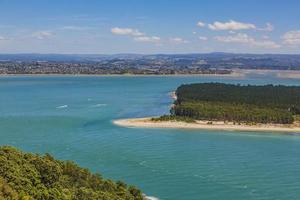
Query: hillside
(29, 176)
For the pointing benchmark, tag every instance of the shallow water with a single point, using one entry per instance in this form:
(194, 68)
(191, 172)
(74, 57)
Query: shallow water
(71, 118)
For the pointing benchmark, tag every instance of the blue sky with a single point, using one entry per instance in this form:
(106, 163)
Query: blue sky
(149, 26)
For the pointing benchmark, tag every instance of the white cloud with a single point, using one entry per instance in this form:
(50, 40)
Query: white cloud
(202, 38)
(2, 38)
(269, 27)
(126, 31)
(178, 40)
(151, 39)
(201, 24)
(136, 34)
(266, 37)
(268, 44)
(291, 38)
(42, 35)
(246, 39)
(239, 38)
(231, 25)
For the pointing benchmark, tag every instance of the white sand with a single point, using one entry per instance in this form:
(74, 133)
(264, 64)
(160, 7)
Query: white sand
(289, 74)
(148, 123)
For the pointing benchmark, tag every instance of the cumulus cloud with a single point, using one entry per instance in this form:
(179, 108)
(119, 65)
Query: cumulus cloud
(126, 31)
(291, 38)
(266, 44)
(269, 27)
(240, 38)
(151, 39)
(230, 25)
(201, 24)
(246, 39)
(266, 37)
(178, 40)
(42, 35)
(202, 38)
(136, 35)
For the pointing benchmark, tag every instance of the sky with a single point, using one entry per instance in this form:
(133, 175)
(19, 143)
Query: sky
(149, 26)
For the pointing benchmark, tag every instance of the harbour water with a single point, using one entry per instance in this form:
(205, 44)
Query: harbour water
(71, 118)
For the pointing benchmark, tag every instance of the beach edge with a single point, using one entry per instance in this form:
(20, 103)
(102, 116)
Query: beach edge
(146, 122)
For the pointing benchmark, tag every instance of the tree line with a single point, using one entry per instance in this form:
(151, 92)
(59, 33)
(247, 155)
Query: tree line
(232, 112)
(240, 103)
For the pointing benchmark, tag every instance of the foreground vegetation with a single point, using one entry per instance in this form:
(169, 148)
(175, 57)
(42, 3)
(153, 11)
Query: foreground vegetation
(25, 176)
(227, 102)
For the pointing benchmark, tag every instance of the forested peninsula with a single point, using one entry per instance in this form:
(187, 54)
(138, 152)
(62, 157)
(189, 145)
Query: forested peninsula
(26, 176)
(276, 104)
(229, 107)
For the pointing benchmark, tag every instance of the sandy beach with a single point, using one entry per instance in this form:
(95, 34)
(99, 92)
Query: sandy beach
(289, 74)
(216, 125)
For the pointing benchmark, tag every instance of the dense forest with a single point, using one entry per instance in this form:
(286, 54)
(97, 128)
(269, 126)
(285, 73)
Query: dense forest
(25, 176)
(238, 103)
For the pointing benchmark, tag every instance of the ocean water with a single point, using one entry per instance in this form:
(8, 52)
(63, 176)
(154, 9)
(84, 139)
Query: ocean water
(71, 118)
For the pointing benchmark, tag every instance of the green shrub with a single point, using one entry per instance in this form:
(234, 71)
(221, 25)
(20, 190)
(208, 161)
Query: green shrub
(25, 176)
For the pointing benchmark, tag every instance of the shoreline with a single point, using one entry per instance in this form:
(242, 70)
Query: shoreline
(234, 74)
(202, 125)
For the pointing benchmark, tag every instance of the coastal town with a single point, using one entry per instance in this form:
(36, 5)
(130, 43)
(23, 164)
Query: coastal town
(100, 69)
(139, 64)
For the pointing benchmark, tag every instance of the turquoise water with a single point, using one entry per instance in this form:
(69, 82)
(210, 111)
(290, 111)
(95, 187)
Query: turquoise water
(71, 118)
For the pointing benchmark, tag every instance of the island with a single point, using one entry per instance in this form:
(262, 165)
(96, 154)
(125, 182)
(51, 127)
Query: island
(229, 107)
(30, 176)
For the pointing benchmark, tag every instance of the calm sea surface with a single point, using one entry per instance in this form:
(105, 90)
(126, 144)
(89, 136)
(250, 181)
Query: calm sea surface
(71, 118)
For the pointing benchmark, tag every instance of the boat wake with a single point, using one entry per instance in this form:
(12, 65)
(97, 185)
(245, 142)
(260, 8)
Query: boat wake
(63, 106)
(100, 105)
(151, 198)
